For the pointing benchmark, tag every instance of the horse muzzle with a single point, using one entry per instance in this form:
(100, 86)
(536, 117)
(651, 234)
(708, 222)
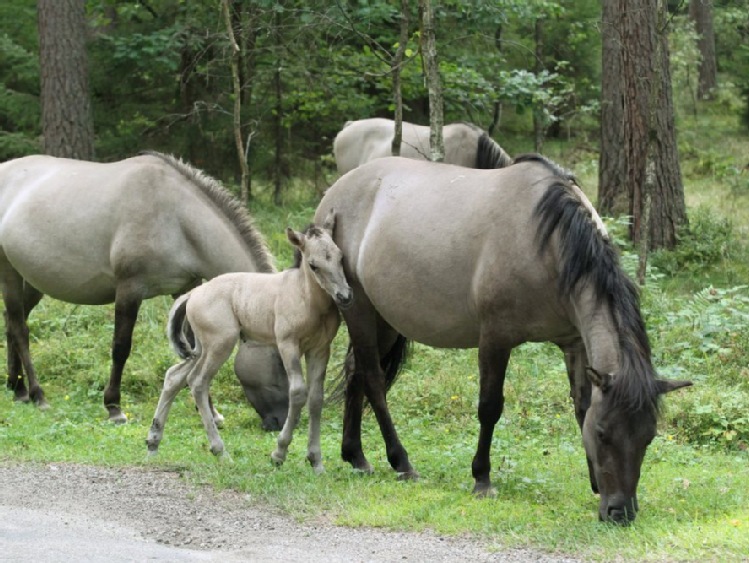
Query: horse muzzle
(344, 300)
(618, 510)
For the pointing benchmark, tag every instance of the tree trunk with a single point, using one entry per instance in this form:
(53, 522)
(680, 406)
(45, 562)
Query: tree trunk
(538, 110)
(639, 157)
(237, 121)
(278, 111)
(67, 120)
(434, 84)
(396, 68)
(613, 199)
(701, 12)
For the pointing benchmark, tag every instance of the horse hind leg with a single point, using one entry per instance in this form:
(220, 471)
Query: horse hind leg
(492, 367)
(316, 366)
(174, 381)
(20, 298)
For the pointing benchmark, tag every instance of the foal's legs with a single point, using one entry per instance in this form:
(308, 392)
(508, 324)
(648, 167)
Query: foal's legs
(317, 362)
(492, 367)
(16, 314)
(126, 305)
(31, 298)
(174, 380)
(289, 350)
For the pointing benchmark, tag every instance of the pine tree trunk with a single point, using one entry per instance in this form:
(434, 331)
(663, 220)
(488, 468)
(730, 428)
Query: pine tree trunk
(395, 69)
(701, 12)
(67, 120)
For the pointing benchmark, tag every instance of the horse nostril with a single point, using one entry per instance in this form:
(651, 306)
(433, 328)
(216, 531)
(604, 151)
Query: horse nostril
(620, 515)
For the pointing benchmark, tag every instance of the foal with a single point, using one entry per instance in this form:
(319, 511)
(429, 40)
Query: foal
(294, 310)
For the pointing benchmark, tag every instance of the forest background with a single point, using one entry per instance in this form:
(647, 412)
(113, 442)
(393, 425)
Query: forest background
(160, 77)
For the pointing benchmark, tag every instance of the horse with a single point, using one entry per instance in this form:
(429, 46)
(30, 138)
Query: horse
(458, 258)
(294, 310)
(91, 233)
(366, 139)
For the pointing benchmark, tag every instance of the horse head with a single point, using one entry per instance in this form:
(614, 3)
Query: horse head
(616, 436)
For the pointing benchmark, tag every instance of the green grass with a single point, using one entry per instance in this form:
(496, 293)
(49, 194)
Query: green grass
(694, 490)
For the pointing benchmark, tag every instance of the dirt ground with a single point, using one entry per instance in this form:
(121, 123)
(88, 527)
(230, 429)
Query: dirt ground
(64, 512)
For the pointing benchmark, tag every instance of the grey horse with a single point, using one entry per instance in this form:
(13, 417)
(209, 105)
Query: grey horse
(92, 233)
(459, 258)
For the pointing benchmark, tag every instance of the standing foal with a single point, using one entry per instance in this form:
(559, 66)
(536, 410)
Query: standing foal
(294, 310)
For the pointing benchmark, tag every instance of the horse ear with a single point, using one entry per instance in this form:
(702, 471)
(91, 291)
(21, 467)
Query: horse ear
(329, 223)
(295, 238)
(602, 380)
(668, 385)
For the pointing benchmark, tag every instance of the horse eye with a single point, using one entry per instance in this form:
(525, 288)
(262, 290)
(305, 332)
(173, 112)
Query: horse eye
(601, 434)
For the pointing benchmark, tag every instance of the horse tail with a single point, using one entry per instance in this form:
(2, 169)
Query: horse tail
(179, 331)
(391, 363)
(489, 154)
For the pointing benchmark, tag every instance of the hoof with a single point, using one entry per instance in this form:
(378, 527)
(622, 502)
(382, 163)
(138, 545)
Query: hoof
(219, 421)
(152, 454)
(364, 470)
(277, 458)
(117, 418)
(22, 398)
(224, 458)
(484, 491)
(43, 405)
(409, 475)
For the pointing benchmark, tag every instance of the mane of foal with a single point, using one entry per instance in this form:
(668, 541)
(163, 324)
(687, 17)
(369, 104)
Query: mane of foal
(589, 259)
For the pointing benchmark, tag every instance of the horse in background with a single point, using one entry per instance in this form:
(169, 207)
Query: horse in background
(489, 259)
(366, 139)
(91, 234)
(294, 310)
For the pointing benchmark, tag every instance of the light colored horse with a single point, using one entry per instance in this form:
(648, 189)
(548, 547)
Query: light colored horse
(366, 139)
(122, 232)
(460, 258)
(294, 310)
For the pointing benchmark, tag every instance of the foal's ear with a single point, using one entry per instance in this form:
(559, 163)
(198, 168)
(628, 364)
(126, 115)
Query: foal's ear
(295, 238)
(668, 385)
(329, 223)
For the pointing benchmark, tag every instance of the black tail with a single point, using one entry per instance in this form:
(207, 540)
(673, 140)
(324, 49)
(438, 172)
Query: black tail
(391, 363)
(178, 329)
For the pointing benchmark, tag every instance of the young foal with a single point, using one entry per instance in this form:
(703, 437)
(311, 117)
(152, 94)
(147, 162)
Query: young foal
(294, 309)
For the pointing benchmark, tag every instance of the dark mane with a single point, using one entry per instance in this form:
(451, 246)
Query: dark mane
(589, 258)
(310, 231)
(552, 166)
(228, 205)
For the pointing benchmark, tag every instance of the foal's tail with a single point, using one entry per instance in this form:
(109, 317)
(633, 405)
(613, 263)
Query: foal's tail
(179, 331)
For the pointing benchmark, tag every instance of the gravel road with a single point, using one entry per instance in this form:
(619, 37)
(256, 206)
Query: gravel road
(63, 513)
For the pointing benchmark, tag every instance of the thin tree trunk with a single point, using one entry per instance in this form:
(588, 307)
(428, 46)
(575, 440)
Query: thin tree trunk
(434, 84)
(237, 122)
(396, 69)
(701, 12)
(67, 119)
(538, 117)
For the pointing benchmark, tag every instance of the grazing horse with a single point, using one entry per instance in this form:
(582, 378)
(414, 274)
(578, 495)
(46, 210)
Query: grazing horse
(91, 234)
(294, 310)
(366, 139)
(460, 258)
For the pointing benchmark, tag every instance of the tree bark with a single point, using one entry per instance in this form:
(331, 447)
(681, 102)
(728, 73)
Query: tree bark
(237, 120)
(538, 110)
(434, 84)
(701, 12)
(67, 119)
(639, 158)
(396, 68)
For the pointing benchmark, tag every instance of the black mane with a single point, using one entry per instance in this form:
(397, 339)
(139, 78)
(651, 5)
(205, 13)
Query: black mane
(587, 257)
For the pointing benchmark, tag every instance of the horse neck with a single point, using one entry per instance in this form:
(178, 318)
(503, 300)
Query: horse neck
(317, 298)
(598, 330)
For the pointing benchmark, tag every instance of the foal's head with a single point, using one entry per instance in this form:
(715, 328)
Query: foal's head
(323, 258)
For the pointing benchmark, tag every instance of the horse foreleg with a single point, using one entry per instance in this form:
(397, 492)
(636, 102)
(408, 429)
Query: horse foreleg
(18, 305)
(126, 308)
(492, 366)
(317, 363)
(174, 380)
(575, 358)
(290, 355)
